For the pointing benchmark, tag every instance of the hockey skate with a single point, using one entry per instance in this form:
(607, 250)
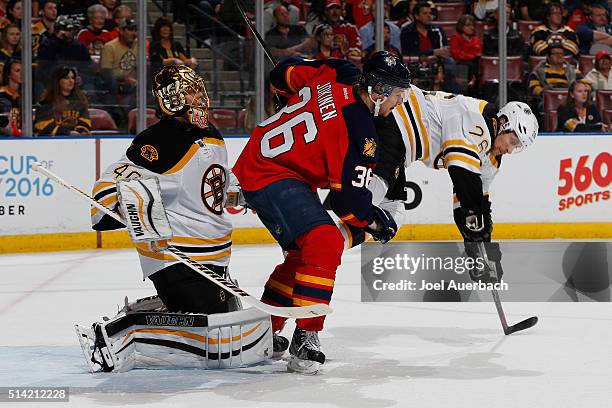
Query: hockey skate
(280, 344)
(306, 356)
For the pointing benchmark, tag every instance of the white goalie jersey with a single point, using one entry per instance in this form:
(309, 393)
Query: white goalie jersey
(193, 182)
(443, 130)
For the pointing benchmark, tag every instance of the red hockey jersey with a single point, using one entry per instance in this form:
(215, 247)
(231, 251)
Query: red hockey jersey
(325, 136)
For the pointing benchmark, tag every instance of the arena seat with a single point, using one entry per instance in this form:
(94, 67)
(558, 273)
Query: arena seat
(223, 118)
(450, 11)
(102, 122)
(550, 121)
(553, 99)
(607, 117)
(586, 63)
(603, 100)
(241, 120)
(133, 115)
(447, 26)
(489, 69)
(526, 27)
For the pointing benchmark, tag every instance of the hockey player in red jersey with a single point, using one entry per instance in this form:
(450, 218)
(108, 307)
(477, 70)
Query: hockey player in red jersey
(323, 138)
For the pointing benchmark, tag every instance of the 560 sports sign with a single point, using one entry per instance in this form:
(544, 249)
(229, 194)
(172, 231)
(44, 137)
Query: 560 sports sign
(575, 179)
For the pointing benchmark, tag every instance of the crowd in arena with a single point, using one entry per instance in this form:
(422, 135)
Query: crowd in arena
(85, 53)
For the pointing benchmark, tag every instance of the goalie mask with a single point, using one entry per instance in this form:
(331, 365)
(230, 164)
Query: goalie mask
(180, 92)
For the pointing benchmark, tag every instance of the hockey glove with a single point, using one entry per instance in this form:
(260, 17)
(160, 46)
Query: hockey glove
(483, 271)
(475, 226)
(383, 227)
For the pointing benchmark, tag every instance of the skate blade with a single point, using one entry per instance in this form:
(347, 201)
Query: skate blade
(86, 340)
(305, 367)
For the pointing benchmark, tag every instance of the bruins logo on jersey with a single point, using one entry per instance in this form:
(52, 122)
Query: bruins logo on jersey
(149, 153)
(369, 148)
(213, 188)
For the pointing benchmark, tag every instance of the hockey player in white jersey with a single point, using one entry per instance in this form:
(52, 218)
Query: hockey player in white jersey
(192, 322)
(466, 136)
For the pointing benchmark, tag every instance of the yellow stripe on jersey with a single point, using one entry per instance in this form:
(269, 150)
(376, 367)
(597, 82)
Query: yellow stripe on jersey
(178, 166)
(422, 129)
(102, 185)
(335, 186)
(314, 279)
(164, 257)
(458, 157)
(107, 202)
(288, 79)
(201, 241)
(402, 111)
(282, 288)
(482, 105)
(212, 140)
(459, 142)
(493, 160)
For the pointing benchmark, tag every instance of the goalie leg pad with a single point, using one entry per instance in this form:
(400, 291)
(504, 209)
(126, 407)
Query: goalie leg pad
(177, 340)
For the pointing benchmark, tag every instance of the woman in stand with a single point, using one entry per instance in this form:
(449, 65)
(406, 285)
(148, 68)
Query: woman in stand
(166, 51)
(63, 109)
(578, 114)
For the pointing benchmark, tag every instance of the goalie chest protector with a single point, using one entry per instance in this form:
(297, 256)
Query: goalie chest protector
(191, 165)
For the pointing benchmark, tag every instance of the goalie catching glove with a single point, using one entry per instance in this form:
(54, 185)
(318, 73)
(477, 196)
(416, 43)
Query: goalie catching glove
(383, 227)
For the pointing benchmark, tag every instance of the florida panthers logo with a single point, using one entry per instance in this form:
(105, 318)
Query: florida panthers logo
(213, 187)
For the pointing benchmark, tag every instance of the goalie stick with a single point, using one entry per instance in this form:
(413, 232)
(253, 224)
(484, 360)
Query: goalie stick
(522, 325)
(297, 312)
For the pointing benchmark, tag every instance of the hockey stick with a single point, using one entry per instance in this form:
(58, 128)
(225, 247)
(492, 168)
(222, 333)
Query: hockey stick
(522, 325)
(256, 34)
(300, 312)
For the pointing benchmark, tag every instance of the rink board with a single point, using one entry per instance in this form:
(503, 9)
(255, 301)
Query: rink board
(559, 188)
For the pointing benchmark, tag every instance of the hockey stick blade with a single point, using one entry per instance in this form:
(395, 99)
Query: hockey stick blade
(525, 324)
(297, 312)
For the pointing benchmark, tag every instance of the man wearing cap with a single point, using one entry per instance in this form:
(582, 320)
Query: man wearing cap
(63, 48)
(346, 36)
(599, 77)
(596, 34)
(118, 61)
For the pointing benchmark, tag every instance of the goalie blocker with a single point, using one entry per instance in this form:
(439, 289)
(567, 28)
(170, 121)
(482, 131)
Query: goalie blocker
(145, 335)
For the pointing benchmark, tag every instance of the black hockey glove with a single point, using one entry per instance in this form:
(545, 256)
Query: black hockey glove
(383, 227)
(475, 226)
(483, 271)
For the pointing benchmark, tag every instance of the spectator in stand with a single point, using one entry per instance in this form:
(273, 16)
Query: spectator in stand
(63, 109)
(62, 48)
(122, 12)
(270, 10)
(94, 36)
(401, 11)
(465, 46)
(387, 43)
(118, 63)
(323, 35)
(421, 38)
(285, 39)
(531, 10)
(596, 34)
(578, 114)
(599, 78)
(14, 13)
(553, 73)
(367, 33)
(166, 51)
(359, 12)
(515, 42)
(578, 14)
(3, 4)
(10, 40)
(482, 10)
(44, 26)
(346, 36)
(10, 97)
(554, 31)
(110, 6)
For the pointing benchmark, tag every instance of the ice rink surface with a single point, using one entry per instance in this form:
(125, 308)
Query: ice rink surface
(446, 355)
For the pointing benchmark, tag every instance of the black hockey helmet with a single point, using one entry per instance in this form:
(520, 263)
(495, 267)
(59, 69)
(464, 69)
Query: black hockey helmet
(180, 91)
(384, 71)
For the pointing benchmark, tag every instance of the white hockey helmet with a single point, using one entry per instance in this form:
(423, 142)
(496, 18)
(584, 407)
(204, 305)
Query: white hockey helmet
(520, 120)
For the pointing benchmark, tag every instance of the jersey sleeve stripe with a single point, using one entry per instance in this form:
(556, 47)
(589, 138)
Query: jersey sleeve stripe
(459, 142)
(335, 186)
(212, 140)
(168, 257)
(101, 185)
(200, 241)
(482, 105)
(407, 130)
(462, 150)
(414, 102)
(457, 159)
(186, 158)
(288, 79)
